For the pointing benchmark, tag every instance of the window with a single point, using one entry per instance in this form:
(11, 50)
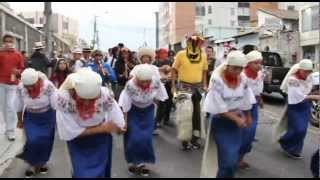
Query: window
(291, 7)
(203, 11)
(232, 11)
(243, 12)
(315, 18)
(243, 4)
(209, 21)
(209, 10)
(310, 19)
(200, 11)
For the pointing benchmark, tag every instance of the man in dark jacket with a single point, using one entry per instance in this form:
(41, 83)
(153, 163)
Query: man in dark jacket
(39, 60)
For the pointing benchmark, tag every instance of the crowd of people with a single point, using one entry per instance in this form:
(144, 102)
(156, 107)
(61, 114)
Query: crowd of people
(93, 96)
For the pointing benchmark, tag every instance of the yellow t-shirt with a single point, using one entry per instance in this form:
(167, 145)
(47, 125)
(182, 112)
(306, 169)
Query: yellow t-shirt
(187, 71)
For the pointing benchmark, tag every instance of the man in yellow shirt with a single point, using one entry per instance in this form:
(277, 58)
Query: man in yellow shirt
(190, 69)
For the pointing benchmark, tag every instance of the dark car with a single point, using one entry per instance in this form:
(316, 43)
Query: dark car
(274, 72)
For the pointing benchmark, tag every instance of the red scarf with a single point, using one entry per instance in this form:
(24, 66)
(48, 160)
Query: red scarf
(299, 75)
(146, 88)
(231, 80)
(36, 89)
(86, 109)
(250, 73)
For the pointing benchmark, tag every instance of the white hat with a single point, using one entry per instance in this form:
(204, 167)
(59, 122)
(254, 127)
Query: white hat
(38, 45)
(236, 58)
(87, 83)
(29, 77)
(146, 52)
(254, 56)
(144, 72)
(77, 51)
(306, 64)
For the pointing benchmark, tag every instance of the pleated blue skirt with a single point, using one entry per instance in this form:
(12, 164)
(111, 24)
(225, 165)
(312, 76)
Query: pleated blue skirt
(298, 120)
(227, 136)
(40, 131)
(91, 156)
(138, 144)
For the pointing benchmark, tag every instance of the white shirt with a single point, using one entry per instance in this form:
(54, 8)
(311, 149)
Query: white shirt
(222, 99)
(45, 99)
(298, 89)
(71, 125)
(132, 94)
(154, 68)
(256, 84)
(78, 65)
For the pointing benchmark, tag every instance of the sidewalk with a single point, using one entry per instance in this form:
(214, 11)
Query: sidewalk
(8, 150)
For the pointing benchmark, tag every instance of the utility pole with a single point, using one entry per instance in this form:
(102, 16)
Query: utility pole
(157, 30)
(94, 39)
(48, 27)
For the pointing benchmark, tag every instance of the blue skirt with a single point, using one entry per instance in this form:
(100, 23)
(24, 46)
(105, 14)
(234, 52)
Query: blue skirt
(40, 131)
(227, 136)
(91, 156)
(248, 134)
(138, 143)
(298, 120)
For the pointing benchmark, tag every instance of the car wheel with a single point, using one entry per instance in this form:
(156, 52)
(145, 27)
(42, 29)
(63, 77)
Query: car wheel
(315, 114)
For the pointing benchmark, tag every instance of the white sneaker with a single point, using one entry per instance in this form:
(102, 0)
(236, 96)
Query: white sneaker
(10, 135)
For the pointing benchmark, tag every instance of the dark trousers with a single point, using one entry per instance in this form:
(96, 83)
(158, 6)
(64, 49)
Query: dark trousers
(164, 108)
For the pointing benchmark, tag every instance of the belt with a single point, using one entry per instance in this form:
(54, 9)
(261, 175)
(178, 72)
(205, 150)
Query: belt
(39, 110)
(189, 87)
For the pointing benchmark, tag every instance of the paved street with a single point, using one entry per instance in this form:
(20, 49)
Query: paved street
(266, 159)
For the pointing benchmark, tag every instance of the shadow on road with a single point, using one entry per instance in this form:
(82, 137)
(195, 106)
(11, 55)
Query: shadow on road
(274, 99)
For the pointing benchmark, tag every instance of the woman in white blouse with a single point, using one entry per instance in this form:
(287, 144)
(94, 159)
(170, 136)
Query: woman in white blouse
(137, 102)
(254, 77)
(298, 85)
(35, 96)
(229, 101)
(87, 115)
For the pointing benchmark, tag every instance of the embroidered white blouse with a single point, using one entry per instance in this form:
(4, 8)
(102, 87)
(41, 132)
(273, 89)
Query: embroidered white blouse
(71, 125)
(256, 85)
(298, 89)
(222, 99)
(45, 99)
(132, 94)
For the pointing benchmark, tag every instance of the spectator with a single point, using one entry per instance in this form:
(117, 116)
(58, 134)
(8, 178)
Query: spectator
(39, 61)
(86, 52)
(11, 66)
(211, 60)
(60, 73)
(76, 62)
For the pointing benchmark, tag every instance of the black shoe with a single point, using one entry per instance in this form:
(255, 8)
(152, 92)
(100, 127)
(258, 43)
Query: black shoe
(186, 147)
(196, 146)
(292, 155)
(133, 170)
(143, 171)
(29, 174)
(43, 170)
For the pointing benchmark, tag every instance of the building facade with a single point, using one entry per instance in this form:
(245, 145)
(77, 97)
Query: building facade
(255, 6)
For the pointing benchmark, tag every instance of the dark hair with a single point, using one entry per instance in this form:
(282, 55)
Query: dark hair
(57, 70)
(248, 48)
(7, 36)
(23, 52)
(121, 45)
(114, 51)
(209, 47)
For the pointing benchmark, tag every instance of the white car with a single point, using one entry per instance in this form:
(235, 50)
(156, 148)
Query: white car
(315, 110)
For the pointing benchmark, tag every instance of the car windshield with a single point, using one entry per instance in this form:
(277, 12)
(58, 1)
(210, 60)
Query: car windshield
(271, 59)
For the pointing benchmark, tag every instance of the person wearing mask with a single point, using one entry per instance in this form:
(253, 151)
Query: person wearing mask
(298, 85)
(164, 108)
(190, 69)
(39, 61)
(137, 102)
(60, 73)
(11, 66)
(35, 97)
(103, 69)
(229, 101)
(87, 116)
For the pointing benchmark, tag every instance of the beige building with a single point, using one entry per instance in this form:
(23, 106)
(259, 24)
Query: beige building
(176, 19)
(62, 25)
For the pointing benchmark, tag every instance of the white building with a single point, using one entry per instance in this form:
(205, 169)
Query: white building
(222, 19)
(309, 32)
(295, 5)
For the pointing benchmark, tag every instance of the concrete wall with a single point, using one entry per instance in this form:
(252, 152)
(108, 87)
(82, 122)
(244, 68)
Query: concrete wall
(252, 39)
(254, 6)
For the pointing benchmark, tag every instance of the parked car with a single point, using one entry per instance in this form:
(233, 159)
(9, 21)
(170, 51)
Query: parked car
(315, 109)
(274, 72)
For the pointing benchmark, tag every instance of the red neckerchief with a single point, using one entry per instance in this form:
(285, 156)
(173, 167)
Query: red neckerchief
(146, 88)
(230, 80)
(299, 75)
(250, 73)
(36, 90)
(86, 110)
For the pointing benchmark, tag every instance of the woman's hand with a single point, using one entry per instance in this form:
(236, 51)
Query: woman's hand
(241, 122)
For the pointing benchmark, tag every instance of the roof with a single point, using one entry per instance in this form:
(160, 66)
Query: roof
(283, 14)
(255, 31)
(224, 40)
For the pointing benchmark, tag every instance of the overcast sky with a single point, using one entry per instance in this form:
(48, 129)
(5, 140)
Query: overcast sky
(125, 21)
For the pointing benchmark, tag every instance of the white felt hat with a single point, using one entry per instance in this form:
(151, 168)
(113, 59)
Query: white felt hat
(254, 56)
(87, 83)
(77, 51)
(38, 45)
(29, 77)
(146, 52)
(144, 72)
(236, 58)
(306, 64)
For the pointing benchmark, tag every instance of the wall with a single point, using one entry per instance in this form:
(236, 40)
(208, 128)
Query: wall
(252, 39)
(254, 6)
(184, 20)
(298, 5)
